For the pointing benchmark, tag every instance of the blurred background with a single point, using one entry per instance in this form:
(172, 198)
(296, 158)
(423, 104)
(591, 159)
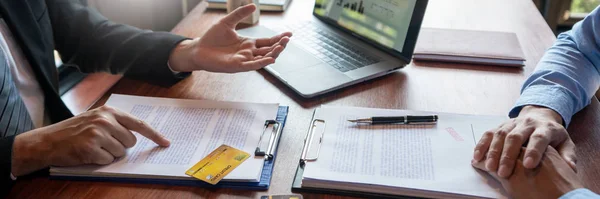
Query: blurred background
(562, 14)
(159, 15)
(163, 15)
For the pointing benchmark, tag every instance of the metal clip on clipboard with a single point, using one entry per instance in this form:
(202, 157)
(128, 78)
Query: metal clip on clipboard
(308, 142)
(270, 149)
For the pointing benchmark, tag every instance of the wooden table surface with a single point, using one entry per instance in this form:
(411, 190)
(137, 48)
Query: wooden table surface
(456, 88)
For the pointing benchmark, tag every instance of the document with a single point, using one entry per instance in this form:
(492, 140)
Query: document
(195, 128)
(416, 160)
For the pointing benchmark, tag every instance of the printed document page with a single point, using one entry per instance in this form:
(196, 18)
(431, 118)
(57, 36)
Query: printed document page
(418, 158)
(195, 128)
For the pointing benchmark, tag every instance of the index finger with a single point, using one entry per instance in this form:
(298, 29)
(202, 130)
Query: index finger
(139, 126)
(482, 146)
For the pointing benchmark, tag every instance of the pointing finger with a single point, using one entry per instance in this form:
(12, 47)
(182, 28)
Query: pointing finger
(139, 126)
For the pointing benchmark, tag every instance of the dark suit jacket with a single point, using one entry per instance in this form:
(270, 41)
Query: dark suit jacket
(84, 39)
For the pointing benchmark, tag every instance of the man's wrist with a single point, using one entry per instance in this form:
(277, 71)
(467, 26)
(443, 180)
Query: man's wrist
(541, 112)
(180, 59)
(29, 154)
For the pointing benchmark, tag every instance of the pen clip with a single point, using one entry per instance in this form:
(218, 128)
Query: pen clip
(309, 139)
(269, 151)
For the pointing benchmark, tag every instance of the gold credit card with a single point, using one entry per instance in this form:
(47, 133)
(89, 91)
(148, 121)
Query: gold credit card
(216, 165)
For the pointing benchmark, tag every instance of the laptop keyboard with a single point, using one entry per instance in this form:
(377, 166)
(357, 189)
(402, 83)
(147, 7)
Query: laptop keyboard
(326, 46)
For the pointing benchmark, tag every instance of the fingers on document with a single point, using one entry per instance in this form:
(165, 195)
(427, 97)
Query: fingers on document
(481, 166)
(113, 146)
(101, 156)
(233, 18)
(134, 124)
(112, 127)
(512, 148)
(483, 145)
(495, 151)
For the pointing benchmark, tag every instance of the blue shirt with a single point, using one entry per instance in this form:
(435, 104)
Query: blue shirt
(567, 77)
(580, 194)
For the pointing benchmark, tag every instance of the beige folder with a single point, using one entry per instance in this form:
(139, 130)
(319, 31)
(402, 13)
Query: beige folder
(468, 46)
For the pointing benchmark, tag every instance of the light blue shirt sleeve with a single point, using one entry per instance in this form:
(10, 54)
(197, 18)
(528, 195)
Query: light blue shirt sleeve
(580, 194)
(567, 76)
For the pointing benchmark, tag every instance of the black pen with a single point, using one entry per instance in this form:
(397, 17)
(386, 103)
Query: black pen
(409, 119)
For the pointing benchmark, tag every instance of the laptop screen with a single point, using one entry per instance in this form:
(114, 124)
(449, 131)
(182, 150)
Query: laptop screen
(382, 22)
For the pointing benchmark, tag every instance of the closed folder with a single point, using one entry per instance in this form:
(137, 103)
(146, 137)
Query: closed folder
(265, 5)
(469, 46)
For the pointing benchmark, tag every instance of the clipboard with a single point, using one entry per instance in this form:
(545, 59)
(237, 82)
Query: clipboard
(265, 178)
(314, 135)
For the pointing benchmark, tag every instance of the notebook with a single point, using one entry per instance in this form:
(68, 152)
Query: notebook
(431, 161)
(265, 5)
(195, 128)
(469, 46)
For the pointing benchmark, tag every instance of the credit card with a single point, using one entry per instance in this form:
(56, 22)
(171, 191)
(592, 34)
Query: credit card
(291, 196)
(217, 164)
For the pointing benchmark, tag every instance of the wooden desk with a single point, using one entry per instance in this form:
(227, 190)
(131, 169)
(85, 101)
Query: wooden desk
(457, 88)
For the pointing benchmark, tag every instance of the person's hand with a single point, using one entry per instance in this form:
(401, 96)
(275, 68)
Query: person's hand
(221, 49)
(539, 127)
(552, 178)
(94, 137)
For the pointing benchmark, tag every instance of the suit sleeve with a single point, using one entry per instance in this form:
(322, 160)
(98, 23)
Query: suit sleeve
(88, 40)
(5, 165)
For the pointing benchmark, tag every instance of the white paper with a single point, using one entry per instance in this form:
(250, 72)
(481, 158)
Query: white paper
(195, 128)
(423, 160)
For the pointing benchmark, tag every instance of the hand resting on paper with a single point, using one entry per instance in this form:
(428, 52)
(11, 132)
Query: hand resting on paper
(94, 137)
(552, 178)
(539, 127)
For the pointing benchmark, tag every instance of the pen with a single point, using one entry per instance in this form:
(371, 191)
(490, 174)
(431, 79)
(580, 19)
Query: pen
(409, 119)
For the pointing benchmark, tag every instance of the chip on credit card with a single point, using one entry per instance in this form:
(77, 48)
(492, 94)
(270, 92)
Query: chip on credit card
(217, 164)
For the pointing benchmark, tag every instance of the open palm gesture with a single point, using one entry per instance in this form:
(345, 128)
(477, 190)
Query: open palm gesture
(221, 49)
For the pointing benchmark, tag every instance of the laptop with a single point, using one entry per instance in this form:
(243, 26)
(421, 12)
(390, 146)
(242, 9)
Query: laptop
(345, 42)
